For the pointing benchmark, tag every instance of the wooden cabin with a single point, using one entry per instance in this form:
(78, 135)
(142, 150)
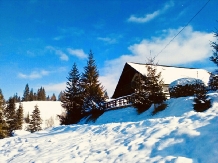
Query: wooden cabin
(168, 74)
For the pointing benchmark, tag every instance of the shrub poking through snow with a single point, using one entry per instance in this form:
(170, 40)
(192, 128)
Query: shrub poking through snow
(184, 87)
(201, 100)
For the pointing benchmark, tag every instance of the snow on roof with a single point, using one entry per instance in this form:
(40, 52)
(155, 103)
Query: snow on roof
(170, 73)
(184, 81)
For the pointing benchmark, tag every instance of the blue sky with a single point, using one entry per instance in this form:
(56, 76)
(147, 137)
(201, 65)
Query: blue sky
(40, 40)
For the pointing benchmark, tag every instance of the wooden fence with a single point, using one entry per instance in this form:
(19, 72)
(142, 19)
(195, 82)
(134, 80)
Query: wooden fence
(119, 102)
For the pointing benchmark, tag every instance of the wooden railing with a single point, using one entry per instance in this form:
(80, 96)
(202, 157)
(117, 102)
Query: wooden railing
(119, 102)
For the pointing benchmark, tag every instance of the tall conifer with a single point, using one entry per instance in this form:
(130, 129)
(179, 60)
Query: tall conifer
(26, 94)
(72, 99)
(3, 125)
(93, 90)
(35, 121)
(19, 117)
(10, 115)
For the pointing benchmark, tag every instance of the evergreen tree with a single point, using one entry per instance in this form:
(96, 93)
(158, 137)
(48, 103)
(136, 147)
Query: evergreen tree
(3, 124)
(41, 96)
(60, 96)
(16, 98)
(35, 121)
(10, 115)
(141, 94)
(26, 93)
(53, 97)
(72, 99)
(149, 88)
(213, 82)
(27, 118)
(201, 100)
(155, 83)
(31, 96)
(94, 93)
(214, 45)
(19, 117)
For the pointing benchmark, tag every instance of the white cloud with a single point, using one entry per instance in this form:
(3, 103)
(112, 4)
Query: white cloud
(108, 40)
(190, 46)
(148, 17)
(58, 52)
(77, 52)
(34, 74)
(144, 19)
(55, 88)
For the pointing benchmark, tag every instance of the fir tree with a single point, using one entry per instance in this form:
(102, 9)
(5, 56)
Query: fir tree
(3, 124)
(31, 96)
(93, 90)
(35, 121)
(19, 117)
(53, 97)
(213, 82)
(41, 96)
(155, 83)
(214, 45)
(26, 93)
(201, 100)
(149, 88)
(72, 99)
(10, 115)
(27, 118)
(60, 96)
(141, 94)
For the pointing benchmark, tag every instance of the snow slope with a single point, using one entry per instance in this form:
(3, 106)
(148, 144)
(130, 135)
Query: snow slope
(48, 109)
(175, 135)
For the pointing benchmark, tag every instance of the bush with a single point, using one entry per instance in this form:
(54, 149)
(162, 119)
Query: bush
(213, 81)
(201, 100)
(161, 107)
(184, 87)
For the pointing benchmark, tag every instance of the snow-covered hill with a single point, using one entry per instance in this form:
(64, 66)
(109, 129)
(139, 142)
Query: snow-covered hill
(48, 110)
(177, 134)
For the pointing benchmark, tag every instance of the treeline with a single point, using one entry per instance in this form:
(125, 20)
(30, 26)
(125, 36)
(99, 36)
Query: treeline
(12, 119)
(40, 95)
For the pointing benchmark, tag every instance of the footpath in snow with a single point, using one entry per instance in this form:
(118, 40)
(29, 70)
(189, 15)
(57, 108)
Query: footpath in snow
(177, 134)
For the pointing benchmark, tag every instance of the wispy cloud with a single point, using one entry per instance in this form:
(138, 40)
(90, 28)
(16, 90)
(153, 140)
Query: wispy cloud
(63, 56)
(34, 74)
(189, 47)
(55, 87)
(77, 52)
(148, 17)
(108, 40)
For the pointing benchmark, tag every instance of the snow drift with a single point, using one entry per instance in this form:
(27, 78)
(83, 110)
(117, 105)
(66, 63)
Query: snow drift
(177, 134)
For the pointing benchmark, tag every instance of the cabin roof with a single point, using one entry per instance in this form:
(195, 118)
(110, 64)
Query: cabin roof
(170, 73)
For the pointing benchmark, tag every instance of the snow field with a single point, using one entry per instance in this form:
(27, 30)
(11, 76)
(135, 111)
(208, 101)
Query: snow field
(176, 135)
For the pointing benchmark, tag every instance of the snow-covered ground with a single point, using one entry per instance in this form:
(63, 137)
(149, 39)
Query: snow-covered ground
(48, 110)
(175, 135)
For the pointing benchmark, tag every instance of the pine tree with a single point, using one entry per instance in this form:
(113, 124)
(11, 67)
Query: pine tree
(149, 88)
(60, 96)
(10, 115)
(141, 94)
(53, 97)
(213, 82)
(31, 96)
(201, 100)
(41, 96)
(26, 93)
(3, 124)
(27, 118)
(72, 99)
(155, 84)
(93, 90)
(214, 45)
(19, 117)
(35, 121)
